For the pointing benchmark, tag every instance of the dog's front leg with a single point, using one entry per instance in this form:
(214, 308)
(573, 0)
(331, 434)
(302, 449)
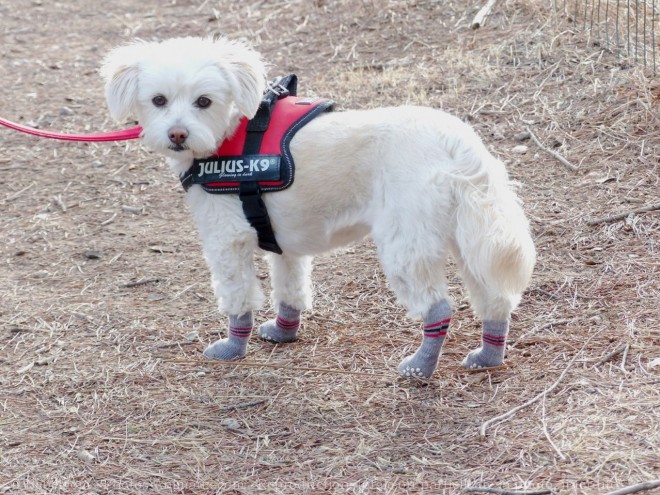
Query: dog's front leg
(237, 290)
(291, 293)
(229, 247)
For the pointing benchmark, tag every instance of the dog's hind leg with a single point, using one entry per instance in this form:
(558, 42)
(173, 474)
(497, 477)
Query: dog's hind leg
(291, 293)
(493, 248)
(494, 309)
(414, 261)
(424, 361)
(496, 270)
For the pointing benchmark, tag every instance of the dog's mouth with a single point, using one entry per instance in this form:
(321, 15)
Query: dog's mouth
(178, 147)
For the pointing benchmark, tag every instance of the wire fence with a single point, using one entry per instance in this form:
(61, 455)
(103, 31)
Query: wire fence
(627, 28)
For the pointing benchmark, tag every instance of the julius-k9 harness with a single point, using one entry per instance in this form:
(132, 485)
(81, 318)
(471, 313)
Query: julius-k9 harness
(257, 158)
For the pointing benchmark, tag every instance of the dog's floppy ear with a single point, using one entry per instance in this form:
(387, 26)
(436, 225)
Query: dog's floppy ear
(120, 70)
(247, 74)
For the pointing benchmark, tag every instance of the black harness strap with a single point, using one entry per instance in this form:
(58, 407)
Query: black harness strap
(256, 213)
(253, 204)
(249, 193)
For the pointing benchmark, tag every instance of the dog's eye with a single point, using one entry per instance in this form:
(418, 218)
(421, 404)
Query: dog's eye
(159, 101)
(203, 102)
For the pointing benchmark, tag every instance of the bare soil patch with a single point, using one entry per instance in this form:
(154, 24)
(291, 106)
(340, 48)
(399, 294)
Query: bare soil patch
(105, 301)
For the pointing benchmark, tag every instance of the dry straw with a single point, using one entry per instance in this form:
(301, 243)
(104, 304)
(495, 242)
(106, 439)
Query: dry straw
(102, 385)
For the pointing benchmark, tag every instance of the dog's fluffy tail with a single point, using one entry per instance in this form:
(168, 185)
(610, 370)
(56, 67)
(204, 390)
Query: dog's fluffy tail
(491, 230)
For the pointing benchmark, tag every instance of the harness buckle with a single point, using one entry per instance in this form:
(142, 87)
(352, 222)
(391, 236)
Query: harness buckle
(277, 88)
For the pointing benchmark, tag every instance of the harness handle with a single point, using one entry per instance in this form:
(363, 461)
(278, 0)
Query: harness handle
(278, 88)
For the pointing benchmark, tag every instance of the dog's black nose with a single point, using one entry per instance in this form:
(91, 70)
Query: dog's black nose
(178, 135)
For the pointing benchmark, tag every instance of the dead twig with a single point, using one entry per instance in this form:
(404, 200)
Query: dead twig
(554, 154)
(545, 293)
(60, 202)
(481, 489)
(135, 210)
(612, 354)
(547, 433)
(18, 193)
(623, 215)
(507, 415)
(538, 329)
(646, 485)
(176, 344)
(623, 359)
(109, 220)
(137, 283)
(244, 405)
(480, 19)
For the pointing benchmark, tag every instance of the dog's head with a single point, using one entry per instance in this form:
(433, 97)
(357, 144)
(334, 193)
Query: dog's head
(187, 93)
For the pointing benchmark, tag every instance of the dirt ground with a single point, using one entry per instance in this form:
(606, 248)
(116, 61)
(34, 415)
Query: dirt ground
(106, 305)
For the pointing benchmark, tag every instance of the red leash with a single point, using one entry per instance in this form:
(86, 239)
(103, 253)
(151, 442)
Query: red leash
(123, 135)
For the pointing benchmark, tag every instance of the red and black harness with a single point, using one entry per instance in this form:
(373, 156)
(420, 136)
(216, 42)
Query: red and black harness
(257, 159)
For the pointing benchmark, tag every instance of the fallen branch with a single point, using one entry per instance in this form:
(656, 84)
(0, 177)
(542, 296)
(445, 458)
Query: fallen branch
(507, 415)
(545, 293)
(538, 329)
(647, 485)
(109, 220)
(513, 411)
(60, 202)
(135, 210)
(244, 405)
(612, 354)
(143, 281)
(483, 13)
(621, 216)
(17, 193)
(178, 343)
(480, 489)
(623, 359)
(554, 154)
(547, 434)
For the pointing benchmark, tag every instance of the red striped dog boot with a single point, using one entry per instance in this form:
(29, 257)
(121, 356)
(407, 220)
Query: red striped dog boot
(284, 328)
(436, 324)
(235, 345)
(493, 345)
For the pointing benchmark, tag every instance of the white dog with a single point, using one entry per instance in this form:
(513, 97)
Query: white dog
(418, 180)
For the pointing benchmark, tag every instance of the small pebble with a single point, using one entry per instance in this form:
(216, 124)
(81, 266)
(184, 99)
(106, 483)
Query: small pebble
(66, 112)
(521, 149)
(92, 255)
(231, 423)
(86, 456)
(522, 136)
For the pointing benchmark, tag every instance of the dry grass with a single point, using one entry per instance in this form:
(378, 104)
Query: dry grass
(102, 386)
